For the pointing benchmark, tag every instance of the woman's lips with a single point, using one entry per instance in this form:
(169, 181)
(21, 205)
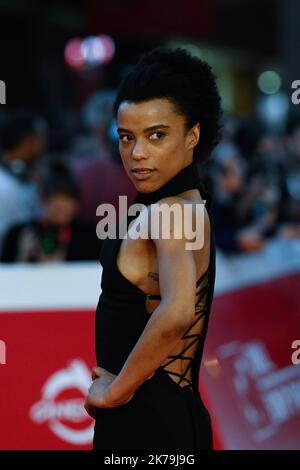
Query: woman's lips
(142, 175)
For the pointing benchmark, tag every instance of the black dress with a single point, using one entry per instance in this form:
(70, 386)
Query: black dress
(163, 414)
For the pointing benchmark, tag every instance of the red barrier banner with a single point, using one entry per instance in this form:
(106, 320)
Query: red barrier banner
(49, 356)
(250, 373)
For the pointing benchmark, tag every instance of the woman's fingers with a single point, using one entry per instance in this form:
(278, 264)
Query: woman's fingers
(90, 410)
(96, 372)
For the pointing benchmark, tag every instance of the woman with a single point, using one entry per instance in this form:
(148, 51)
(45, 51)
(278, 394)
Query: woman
(153, 311)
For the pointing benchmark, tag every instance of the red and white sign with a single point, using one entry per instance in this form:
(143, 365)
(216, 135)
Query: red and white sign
(45, 379)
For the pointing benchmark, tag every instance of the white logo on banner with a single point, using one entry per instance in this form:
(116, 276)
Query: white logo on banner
(76, 376)
(267, 395)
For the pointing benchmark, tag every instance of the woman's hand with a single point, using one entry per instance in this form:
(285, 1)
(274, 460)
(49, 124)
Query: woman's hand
(99, 395)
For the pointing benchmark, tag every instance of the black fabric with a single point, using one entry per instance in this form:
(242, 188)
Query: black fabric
(162, 414)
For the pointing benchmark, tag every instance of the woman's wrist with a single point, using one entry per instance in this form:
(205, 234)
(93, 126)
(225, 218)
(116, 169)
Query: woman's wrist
(118, 396)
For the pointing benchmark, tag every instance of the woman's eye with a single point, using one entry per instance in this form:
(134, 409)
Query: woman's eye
(157, 135)
(125, 138)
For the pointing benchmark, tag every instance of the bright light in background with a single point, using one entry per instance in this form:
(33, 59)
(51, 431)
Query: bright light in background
(92, 50)
(109, 46)
(89, 52)
(73, 56)
(269, 82)
(97, 49)
(273, 109)
(113, 131)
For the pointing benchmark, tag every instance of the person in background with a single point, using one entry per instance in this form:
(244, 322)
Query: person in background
(290, 202)
(22, 141)
(58, 234)
(233, 222)
(101, 177)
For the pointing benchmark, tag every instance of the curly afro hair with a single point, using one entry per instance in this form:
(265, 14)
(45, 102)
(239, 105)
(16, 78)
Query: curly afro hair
(186, 81)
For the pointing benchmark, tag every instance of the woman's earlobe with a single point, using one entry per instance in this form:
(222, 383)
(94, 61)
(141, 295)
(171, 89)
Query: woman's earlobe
(198, 132)
(195, 135)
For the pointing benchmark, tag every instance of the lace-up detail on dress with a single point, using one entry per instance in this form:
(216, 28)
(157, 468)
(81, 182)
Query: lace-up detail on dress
(192, 333)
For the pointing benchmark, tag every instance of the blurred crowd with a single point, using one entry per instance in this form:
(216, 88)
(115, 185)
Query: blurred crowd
(254, 177)
(48, 201)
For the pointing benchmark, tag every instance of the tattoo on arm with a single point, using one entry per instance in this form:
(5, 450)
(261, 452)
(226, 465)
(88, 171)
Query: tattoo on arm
(153, 276)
